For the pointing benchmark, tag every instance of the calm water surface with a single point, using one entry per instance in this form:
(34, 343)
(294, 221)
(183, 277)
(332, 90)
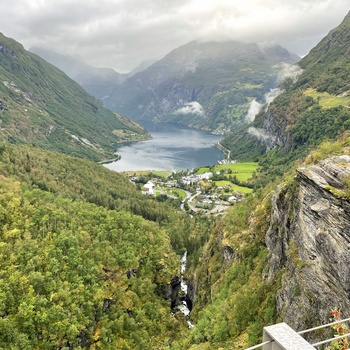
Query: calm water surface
(172, 147)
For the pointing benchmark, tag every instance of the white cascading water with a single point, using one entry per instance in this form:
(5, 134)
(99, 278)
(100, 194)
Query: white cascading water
(184, 307)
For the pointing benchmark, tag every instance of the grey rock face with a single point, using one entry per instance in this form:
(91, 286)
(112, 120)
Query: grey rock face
(309, 239)
(279, 138)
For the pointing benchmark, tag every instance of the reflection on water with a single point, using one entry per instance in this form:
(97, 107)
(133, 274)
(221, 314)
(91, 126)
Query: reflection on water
(172, 148)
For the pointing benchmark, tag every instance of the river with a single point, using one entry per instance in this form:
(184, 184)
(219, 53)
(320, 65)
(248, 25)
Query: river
(172, 147)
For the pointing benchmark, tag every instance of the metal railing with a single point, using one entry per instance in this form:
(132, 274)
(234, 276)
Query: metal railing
(260, 345)
(265, 343)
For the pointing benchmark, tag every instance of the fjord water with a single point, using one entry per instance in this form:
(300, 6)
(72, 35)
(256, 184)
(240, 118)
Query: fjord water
(172, 147)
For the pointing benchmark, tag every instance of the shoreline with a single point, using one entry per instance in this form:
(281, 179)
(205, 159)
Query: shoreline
(224, 150)
(111, 160)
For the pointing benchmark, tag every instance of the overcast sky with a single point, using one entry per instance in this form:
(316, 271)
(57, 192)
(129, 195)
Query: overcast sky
(122, 33)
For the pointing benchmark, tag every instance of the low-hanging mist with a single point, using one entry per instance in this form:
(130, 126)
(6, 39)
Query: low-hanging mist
(284, 71)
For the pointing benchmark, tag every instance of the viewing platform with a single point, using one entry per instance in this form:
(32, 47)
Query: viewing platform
(282, 337)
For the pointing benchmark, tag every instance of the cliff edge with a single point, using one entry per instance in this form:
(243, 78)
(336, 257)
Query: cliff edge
(309, 241)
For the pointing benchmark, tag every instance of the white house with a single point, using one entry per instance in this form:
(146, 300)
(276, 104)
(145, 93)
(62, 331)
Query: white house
(232, 199)
(207, 176)
(148, 188)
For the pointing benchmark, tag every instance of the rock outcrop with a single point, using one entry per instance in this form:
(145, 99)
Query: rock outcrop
(309, 242)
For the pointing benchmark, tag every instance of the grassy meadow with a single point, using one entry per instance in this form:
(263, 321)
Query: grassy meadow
(242, 171)
(172, 192)
(327, 100)
(233, 187)
(159, 173)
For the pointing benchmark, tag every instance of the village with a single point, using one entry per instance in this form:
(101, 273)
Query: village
(207, 190)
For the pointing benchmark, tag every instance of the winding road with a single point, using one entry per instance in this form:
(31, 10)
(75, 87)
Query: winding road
(189, 197)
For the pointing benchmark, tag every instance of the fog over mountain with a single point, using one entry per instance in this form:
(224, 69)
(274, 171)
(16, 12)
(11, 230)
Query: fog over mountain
(121, 34)
(206, 85)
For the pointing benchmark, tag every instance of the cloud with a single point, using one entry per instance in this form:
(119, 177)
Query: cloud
(271, 95)
(253, 110)
(191, 108)
(285, 70)
(261, 134)
(255, 107)
(122, 33)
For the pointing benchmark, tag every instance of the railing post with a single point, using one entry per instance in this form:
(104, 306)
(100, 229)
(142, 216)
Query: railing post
(284, 337)
(266, 338)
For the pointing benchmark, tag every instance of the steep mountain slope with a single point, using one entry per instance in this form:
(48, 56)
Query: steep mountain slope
(40, 105)
(99, 82)
(327, 66)
(315, 108)
(205, 85)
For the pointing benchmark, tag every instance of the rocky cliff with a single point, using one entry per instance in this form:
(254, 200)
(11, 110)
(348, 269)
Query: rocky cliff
(309, 241)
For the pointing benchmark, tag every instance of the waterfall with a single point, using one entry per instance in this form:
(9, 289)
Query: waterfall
(184, 307)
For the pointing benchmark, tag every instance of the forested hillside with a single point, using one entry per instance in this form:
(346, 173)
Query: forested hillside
(41, 106)
(79, 267)
(75, 274)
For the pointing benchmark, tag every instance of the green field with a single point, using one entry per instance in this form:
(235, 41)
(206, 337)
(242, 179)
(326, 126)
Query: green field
(327, 100)
(173, 192)
(243, 171)
(233, 187)
(203, 170)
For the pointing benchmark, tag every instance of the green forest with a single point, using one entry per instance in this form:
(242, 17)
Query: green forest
(87, 261)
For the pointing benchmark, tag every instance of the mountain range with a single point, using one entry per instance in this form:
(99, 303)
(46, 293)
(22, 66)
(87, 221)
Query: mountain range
(99, 82)
(207, 85)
